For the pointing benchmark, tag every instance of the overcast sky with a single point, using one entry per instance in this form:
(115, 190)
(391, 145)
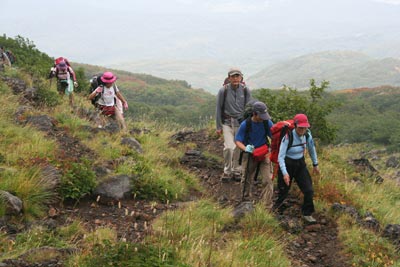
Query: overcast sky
(232, 31)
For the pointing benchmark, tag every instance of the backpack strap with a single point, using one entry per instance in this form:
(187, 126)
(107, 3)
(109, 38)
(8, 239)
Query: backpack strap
(267, 133)
(248, 129)
(290, 134)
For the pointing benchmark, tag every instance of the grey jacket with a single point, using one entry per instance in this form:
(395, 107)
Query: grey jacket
(234, 104)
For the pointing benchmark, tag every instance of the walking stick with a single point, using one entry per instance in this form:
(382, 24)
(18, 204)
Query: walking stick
(246, 174)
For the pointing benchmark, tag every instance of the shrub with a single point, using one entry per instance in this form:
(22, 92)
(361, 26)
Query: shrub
(78, 181)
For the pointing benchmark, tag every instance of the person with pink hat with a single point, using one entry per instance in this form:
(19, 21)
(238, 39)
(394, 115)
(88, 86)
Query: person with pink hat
(292, 165)
(107, 102)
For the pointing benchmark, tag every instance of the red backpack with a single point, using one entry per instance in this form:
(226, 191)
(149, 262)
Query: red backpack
(278, 131)
(60, 59)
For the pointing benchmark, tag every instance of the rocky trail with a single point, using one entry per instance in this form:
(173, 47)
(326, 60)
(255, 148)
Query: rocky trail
(307, 244)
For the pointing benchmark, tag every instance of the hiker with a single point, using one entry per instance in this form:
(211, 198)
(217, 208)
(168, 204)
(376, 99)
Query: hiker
(231, 100)
(4, 57)
(107, 103)
(292, 165)
(66, 78)
(252, 138)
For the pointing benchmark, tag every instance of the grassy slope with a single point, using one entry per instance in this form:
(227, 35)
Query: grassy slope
(185, 234)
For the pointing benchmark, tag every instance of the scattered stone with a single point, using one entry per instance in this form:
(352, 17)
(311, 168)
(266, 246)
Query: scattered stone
(114, 188)
(42, 122)
(392, 162)
(13, 203)
(132, 143)
(242, 209)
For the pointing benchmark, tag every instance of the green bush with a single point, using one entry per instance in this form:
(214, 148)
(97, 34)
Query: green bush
(78, 181)
(315, 103)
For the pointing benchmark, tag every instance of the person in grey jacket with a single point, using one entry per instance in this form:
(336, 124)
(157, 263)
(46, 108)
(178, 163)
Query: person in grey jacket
(231, 101)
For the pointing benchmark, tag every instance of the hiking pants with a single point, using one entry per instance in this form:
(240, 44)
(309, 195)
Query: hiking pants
(298, 171)
(249, 171)
(231, 151)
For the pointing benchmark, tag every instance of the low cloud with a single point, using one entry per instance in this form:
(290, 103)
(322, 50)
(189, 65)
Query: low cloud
(390, 2)
(236, 6)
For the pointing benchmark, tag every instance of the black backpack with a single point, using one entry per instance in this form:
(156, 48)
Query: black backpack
(95, 82)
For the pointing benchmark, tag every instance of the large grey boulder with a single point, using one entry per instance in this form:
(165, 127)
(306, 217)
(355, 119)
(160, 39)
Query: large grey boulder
(132, 143)
(242, 209)
(13, 203)
(114, 188)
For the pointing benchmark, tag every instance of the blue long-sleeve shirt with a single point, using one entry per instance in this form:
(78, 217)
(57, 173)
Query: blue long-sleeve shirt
(257, 134)
(297, 150)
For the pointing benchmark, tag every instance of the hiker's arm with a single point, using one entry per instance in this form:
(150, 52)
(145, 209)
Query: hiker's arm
(218, 114)
(95, 92)
(312, 151)
(124, 102)
(282, 155)
(240, 145)
(248, 94)
(313, 154)
(270, 124)
(52, 72)
(71, 71)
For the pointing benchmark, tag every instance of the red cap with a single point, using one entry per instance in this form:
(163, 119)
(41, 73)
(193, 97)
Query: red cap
(301, 120)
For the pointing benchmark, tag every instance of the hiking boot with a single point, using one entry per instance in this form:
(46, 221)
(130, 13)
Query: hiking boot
(237, 177)
(309, 219)
(226, 177)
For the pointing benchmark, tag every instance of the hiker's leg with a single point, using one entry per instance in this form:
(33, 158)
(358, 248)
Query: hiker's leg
(120, 119)
(249, 171)
(236, 168)
(265, 174)
(229, 148)
(303, 180)
(283, 188)
(60, 88)
(71, 99)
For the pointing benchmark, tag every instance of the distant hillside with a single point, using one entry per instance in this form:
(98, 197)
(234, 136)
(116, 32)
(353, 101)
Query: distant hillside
(343, 69)
(160, 99)
(368, 115)
(205, 74)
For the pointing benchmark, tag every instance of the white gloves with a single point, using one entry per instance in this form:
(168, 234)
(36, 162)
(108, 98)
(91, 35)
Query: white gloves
(249, 149)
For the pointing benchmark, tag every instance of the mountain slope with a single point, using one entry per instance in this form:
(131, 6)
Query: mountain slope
(207, 74)
(343, 69)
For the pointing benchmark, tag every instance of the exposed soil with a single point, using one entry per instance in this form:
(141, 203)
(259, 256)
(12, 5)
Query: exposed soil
(307, 245)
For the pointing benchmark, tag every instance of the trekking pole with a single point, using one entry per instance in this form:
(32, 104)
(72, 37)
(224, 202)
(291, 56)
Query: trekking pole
(246, 174)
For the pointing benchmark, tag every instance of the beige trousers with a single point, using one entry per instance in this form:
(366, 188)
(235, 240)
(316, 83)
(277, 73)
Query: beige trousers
(231, 151)
(265, 175)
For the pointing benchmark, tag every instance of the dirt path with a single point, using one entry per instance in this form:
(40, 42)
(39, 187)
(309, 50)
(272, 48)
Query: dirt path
(309, 245)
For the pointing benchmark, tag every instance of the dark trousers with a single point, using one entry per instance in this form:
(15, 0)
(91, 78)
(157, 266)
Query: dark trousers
(298, 171)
